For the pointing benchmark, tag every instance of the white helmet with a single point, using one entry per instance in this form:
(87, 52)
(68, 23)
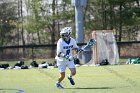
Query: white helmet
(66, 32)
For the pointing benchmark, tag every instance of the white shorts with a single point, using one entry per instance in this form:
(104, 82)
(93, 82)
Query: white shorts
(62, 65)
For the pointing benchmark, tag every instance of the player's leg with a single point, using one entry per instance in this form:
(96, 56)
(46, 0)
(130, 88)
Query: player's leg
(72, 72)
(72, 68)
(61, 77)
(61, 68)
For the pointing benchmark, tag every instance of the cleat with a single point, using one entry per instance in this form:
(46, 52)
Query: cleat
(58, 85)
(71, 80)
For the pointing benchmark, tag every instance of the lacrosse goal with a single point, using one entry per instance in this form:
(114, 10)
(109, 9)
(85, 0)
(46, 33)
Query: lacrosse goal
(105, 47)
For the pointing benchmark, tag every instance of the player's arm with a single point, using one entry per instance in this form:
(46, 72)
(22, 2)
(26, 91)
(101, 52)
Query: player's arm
(77, 49)
(59, 50)
(60, 54)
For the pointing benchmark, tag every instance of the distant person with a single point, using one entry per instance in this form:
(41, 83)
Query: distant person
(64, 55)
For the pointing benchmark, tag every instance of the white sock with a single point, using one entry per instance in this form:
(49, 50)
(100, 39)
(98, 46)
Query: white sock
(70, 75)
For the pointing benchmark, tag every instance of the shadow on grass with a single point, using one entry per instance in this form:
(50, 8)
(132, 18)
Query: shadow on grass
(90, 88)
(18, 90)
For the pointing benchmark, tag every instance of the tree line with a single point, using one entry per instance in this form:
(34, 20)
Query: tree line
(39, 21)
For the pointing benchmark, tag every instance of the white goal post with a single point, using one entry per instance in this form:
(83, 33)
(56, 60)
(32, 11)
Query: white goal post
(105, 48)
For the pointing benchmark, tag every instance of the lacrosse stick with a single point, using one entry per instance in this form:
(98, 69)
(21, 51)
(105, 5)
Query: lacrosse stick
(91, 42)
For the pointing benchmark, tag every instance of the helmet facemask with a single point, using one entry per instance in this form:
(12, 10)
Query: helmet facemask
(65, 35)
(65, 32)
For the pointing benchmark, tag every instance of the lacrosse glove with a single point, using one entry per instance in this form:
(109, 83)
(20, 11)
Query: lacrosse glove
(79, 50)
(69, 58)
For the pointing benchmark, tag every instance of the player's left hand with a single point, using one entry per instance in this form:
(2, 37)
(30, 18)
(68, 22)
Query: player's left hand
(71, 58)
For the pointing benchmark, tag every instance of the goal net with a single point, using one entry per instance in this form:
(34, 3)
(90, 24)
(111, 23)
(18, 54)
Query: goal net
(105, 48)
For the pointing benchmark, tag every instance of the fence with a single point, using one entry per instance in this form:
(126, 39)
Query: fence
(7, 53)
(129, 49)
(27, 51)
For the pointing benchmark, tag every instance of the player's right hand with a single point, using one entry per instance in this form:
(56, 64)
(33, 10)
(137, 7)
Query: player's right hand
(79, 50)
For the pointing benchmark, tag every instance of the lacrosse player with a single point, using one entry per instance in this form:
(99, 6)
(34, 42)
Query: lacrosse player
(64, 56)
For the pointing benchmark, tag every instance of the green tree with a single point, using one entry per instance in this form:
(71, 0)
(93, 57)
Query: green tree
(33, 24)
(8, 20)
(120, 15)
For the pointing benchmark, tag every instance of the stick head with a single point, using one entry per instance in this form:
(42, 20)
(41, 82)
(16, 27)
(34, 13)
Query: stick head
(91, 42)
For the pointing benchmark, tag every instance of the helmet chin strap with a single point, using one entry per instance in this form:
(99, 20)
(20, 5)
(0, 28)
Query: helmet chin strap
(66, 38)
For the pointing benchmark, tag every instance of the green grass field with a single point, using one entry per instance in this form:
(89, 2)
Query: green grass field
(89, 79)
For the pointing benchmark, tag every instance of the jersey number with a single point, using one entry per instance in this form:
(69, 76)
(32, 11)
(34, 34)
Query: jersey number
(68, 52)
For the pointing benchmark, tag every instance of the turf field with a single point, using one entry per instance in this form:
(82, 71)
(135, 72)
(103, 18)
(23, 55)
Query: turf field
(89, 79)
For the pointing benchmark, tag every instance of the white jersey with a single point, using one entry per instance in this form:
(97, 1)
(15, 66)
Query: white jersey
(65, 47)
